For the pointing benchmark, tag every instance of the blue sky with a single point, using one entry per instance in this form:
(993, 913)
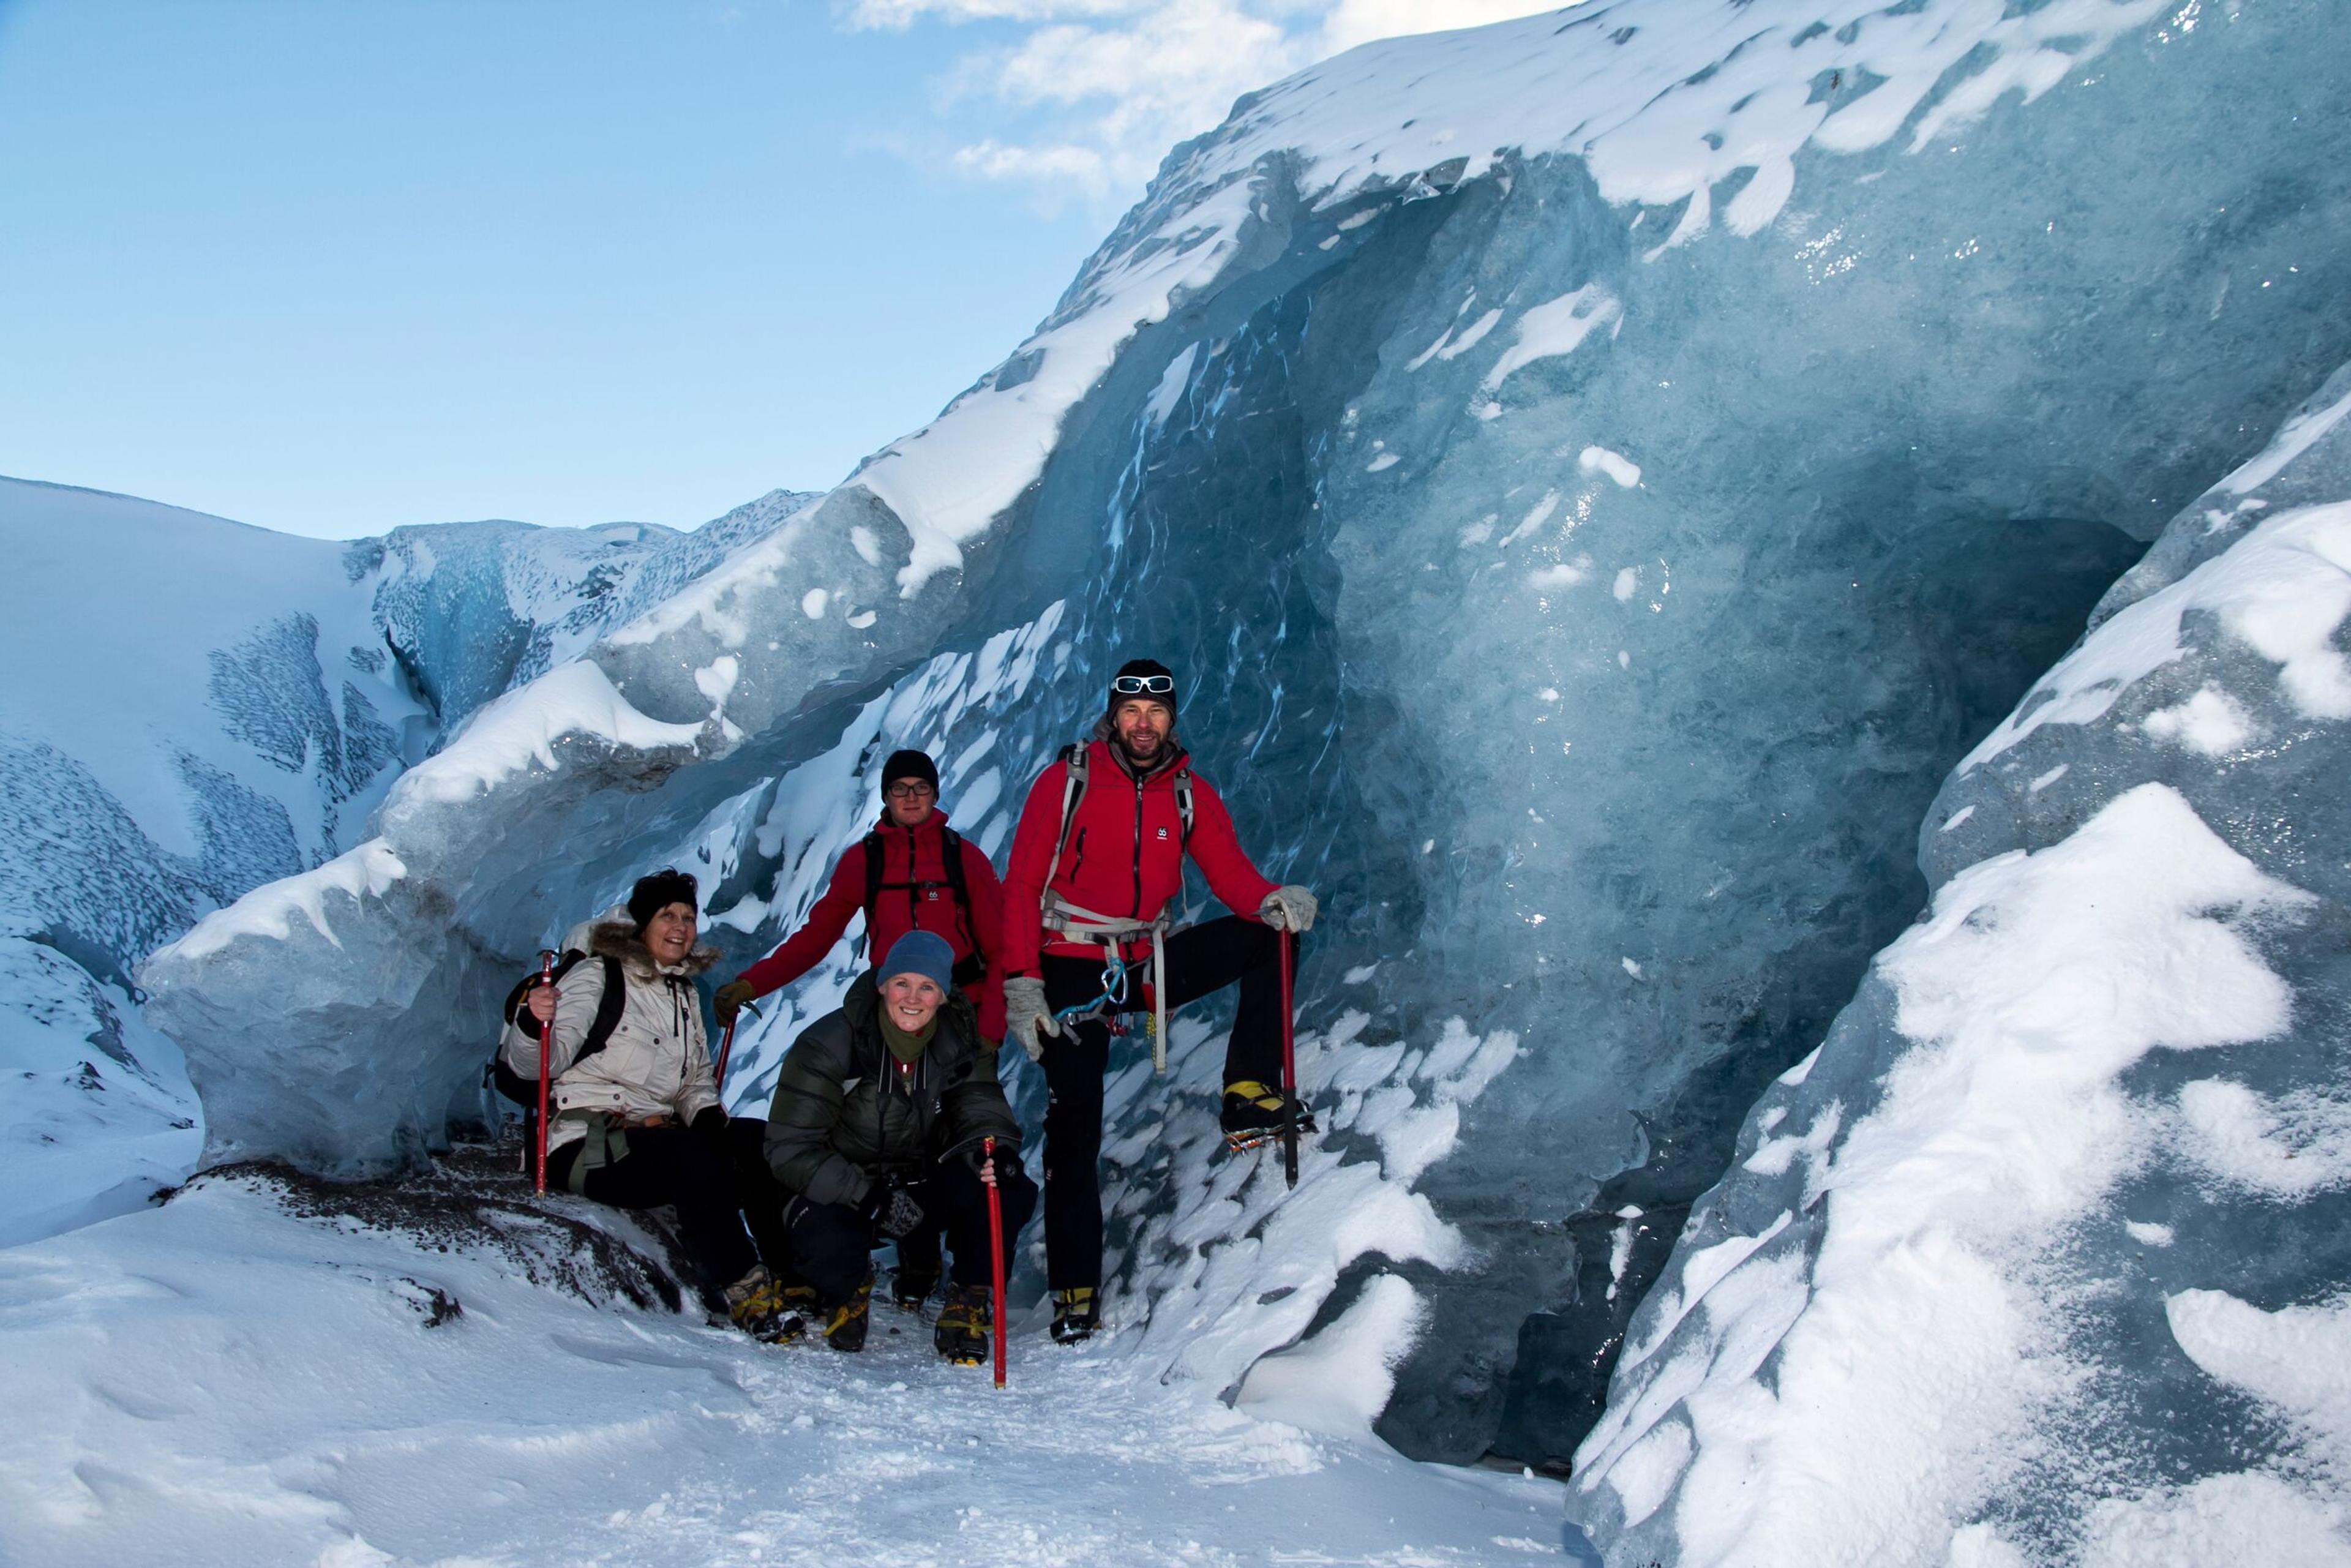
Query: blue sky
(330, 268)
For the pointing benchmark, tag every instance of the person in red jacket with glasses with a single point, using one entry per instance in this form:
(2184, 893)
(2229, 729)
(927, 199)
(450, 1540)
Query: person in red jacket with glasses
(914, 888)
(1097, 857)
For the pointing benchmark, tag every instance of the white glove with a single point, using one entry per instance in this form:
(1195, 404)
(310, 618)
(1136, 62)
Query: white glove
(1292, 908)
(1024, 1014)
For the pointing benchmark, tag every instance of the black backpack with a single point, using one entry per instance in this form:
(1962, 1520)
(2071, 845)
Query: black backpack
(524, 1091)
(968, 970)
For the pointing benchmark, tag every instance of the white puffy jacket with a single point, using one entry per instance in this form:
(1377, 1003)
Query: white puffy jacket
(657, 1061)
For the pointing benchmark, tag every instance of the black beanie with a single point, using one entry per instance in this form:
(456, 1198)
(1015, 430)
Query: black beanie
(909, 764)
(1141, 667)
(656, 892)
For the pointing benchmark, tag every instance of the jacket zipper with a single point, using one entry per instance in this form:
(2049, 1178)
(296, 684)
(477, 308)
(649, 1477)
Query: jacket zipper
(1137, 912)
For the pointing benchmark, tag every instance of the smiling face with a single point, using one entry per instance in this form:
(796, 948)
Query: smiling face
(669, 935)
(1142, 726)
(909, 800)
(912, 1001)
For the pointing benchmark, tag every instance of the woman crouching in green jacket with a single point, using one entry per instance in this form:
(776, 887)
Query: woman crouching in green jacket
(879, 1126)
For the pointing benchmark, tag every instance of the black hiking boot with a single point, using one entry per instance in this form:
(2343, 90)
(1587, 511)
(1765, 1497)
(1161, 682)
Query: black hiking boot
(1255, 1113)
(910, 1288)
(966, 1326)
(844, 1325)
(1075, 1314)
(916, 1277)
(756, 1303)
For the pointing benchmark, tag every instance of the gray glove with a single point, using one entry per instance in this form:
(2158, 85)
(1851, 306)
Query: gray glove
(1292, 908)
(1026, 1017)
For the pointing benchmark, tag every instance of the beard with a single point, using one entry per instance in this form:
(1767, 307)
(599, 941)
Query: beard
(1161, 750)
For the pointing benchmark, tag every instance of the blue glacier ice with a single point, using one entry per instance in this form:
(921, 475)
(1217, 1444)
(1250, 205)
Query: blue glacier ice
(164, 751)
(2076, 1161)
(1597, 476)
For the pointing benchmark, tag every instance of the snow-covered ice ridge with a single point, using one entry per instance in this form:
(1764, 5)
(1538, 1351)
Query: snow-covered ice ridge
(2044, 1249)
(1597, 474)
(199, 707)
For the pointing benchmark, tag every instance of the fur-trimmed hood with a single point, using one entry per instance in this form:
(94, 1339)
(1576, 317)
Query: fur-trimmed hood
(619, 939)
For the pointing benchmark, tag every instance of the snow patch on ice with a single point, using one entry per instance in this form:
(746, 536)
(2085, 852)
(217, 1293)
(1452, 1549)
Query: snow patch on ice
(521, 728)
(2288, 1146)
(2209, 723)
(1600, 460)
(1338, 1382)
(1555, 328)
(2281, 590)
(269, 910)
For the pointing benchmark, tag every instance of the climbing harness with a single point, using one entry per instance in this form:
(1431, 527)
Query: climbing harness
(1113, 933)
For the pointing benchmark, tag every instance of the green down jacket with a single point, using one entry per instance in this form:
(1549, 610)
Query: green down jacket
(845, 1114)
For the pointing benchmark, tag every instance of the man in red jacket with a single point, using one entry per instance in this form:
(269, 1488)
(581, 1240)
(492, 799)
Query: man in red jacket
(914, 886)
(1094, 863)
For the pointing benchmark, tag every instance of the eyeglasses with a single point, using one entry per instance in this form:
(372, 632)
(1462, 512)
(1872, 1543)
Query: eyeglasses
(1134, 685)
(909, 792)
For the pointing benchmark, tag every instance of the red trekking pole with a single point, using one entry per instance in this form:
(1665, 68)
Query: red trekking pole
(1289, 1070)
(546, 1050)
(996, 1253)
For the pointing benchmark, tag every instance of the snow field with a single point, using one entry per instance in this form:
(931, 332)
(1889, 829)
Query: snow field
(227, 1383)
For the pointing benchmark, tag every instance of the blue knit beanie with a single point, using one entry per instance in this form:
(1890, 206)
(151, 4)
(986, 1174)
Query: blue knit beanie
(923, 953)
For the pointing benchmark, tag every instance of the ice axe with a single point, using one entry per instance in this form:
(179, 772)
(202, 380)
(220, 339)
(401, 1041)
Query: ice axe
(727, 1047)
(546, 1051)
(994, 1254)
(1289, 1067)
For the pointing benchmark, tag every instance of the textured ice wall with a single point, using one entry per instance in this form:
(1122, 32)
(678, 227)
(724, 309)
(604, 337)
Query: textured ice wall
(195, 708)
(1597, 473)
(2045, 1250)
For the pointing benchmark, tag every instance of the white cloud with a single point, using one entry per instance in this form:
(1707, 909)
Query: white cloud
(1093, 95)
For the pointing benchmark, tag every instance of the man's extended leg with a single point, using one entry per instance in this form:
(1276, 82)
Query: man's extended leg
(1073, 1081)
(1213, 954)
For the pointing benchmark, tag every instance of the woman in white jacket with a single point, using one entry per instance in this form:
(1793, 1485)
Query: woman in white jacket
(636, 1122)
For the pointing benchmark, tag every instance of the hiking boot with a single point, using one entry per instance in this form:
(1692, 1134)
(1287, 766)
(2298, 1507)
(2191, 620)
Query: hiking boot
(756, 1303)
(916, 1277)
(966, 1325)
(1075, 1314)
(1256, 1113)
(910, 1288)
(844, 1325)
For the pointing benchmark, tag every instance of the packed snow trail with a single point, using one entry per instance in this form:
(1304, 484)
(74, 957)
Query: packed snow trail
(224, 1381)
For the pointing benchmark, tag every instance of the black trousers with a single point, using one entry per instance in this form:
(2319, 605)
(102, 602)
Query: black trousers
(1200, 959)
(716, 1188)
(760, 1195)
(832, 1243)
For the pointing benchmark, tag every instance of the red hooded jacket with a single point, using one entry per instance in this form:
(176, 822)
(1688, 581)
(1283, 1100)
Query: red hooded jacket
(1124, 857)
(908, 855)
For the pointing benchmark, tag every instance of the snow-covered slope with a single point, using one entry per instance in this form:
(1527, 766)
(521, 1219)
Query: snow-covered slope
(194, 707)
(1597, 474)
(226, 1382)
(2044, 1249)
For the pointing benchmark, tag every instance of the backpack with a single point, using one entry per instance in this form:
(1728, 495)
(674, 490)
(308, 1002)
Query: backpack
(524, 1091)
(1073, 790)
(968, 969)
